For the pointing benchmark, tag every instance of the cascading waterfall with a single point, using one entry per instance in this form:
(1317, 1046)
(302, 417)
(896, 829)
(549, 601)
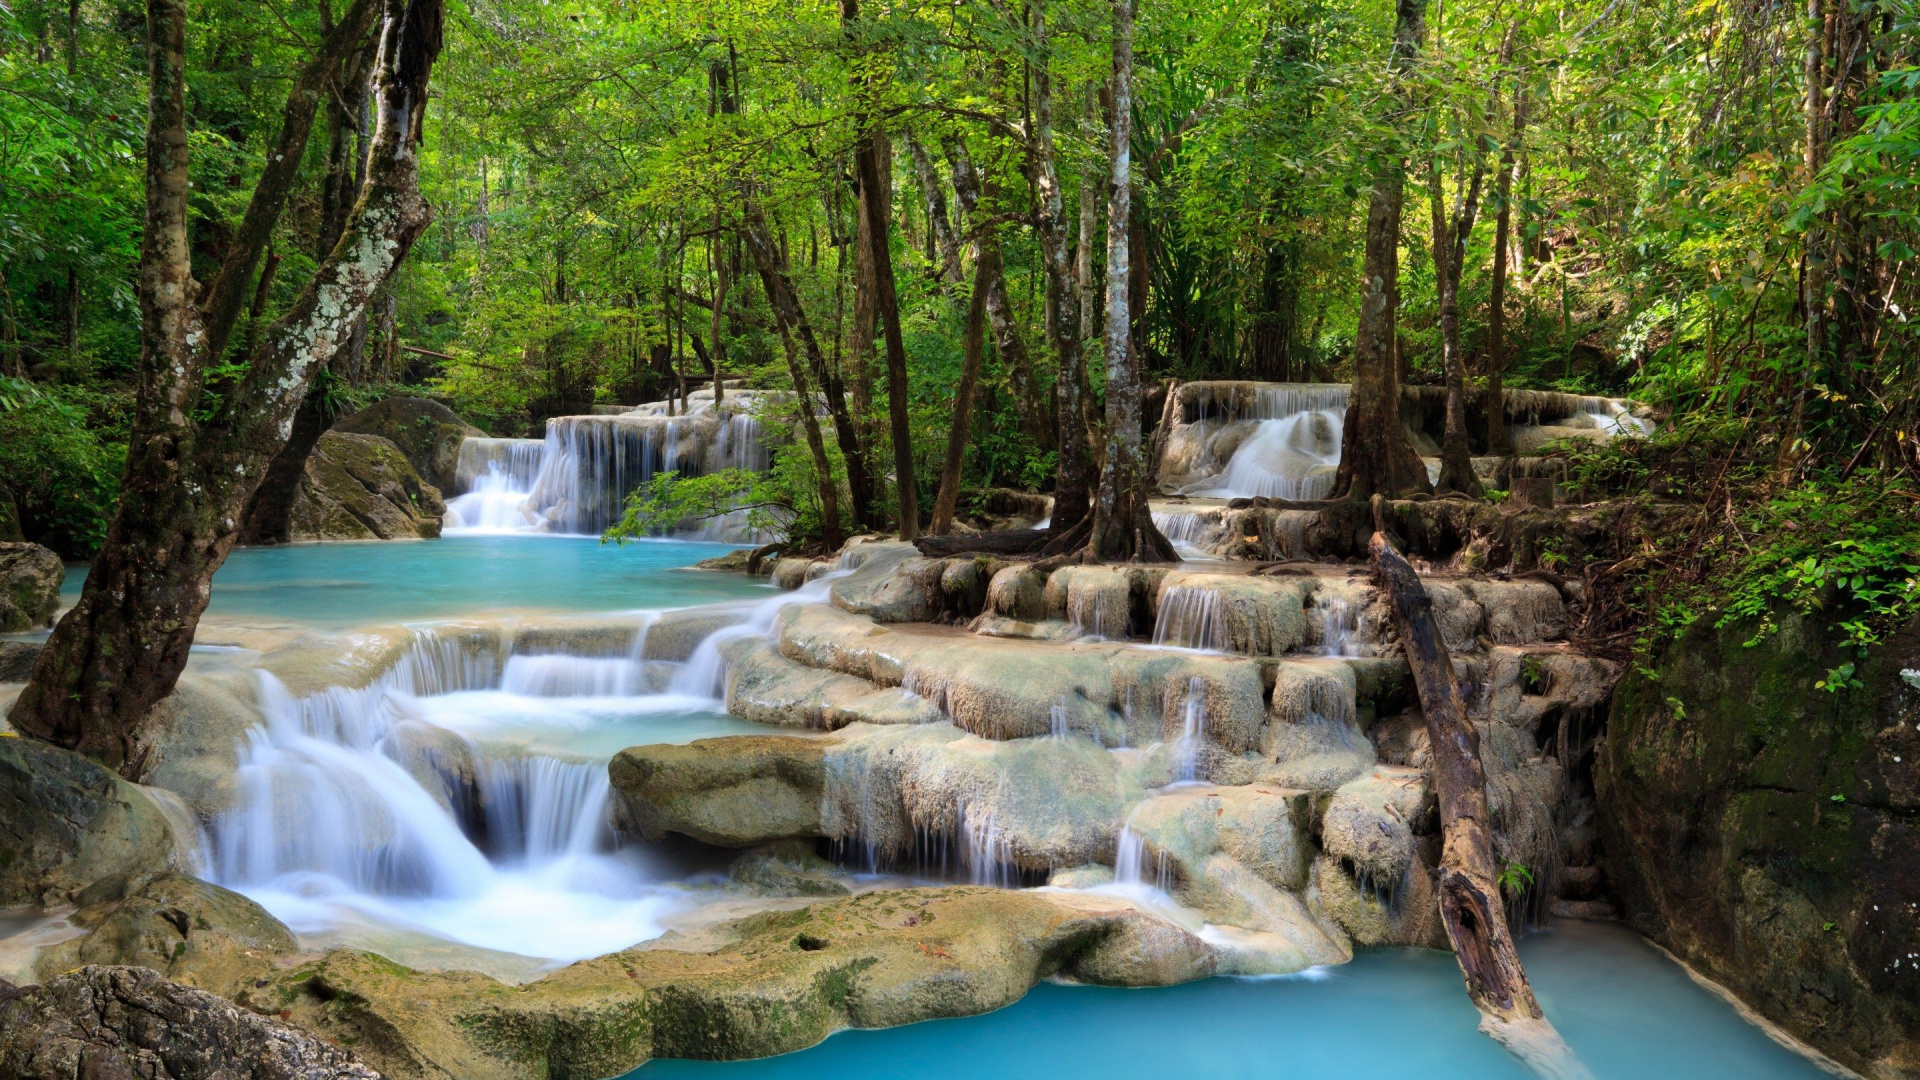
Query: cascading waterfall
(705, 673)
(1341, 624)
(1294, 449)
(1189, 531)
(1191, 618)
(1193, 731)
(576, 480)
(434, 825)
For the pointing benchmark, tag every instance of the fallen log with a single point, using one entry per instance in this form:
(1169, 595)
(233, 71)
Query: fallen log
(1470, 904)
(1008, 542)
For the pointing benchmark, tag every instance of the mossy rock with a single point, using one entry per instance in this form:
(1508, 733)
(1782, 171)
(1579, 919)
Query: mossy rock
(66, 823)
(30, 579)
(361, 487)
(1763, 828)
(427, 432)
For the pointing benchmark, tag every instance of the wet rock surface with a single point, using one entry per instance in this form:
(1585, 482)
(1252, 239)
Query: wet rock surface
(65, 823)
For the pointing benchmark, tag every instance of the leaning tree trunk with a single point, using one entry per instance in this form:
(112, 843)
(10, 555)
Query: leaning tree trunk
(1471, 907)
(124, 643)
(1123, 526)
(792, 320)
(269, 515)
(1375, 455)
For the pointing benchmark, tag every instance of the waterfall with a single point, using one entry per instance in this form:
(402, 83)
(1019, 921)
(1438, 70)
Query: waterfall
(1293, 450)
(987, 852)
(1134, 865)
(1189, 531)
(1191, 618)
(1193, 732)
(1341, 625)
(577, 479)
(432, 820)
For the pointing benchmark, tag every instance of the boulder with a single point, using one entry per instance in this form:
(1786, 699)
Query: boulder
(733, 792)
(361, 487)
(30, 578)
(192, 931)
(426, 432)
(66, 823)
(1263, 827)
(110, 1022)
(1766, 829)
(192, 740)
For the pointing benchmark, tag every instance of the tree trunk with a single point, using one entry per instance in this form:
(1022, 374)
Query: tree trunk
(971, 356)
(1123, 526)
(1089, 289)
(122, 646)
(976, 193)
(946, 242)
(1449, 253)
(1470, 903)
(867, 161)
(720, 90)
(268, 515)
(874, 206)
(1496, 401)
(1074, 473)
(792, 320)
(1375, 455)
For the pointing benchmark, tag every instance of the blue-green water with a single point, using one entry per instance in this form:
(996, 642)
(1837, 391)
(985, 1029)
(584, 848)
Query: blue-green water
(1628, 1012)
(382, 581)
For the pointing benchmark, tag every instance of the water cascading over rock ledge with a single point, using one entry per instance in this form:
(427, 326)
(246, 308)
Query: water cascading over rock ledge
(576, 480)
(1211, 771)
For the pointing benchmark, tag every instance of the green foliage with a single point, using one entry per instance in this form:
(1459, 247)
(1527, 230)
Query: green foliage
(672, 501)
(1515, 879)
(1848, 549)
(64, 450)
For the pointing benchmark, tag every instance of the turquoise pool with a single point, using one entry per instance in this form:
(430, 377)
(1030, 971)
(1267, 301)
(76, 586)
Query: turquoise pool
(1389, 1015)
(381, 581)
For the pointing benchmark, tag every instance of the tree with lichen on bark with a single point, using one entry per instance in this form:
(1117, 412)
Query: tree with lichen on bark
(122, 646)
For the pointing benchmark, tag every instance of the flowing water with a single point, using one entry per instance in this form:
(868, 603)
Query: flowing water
(461, 800)
(1293, 450)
